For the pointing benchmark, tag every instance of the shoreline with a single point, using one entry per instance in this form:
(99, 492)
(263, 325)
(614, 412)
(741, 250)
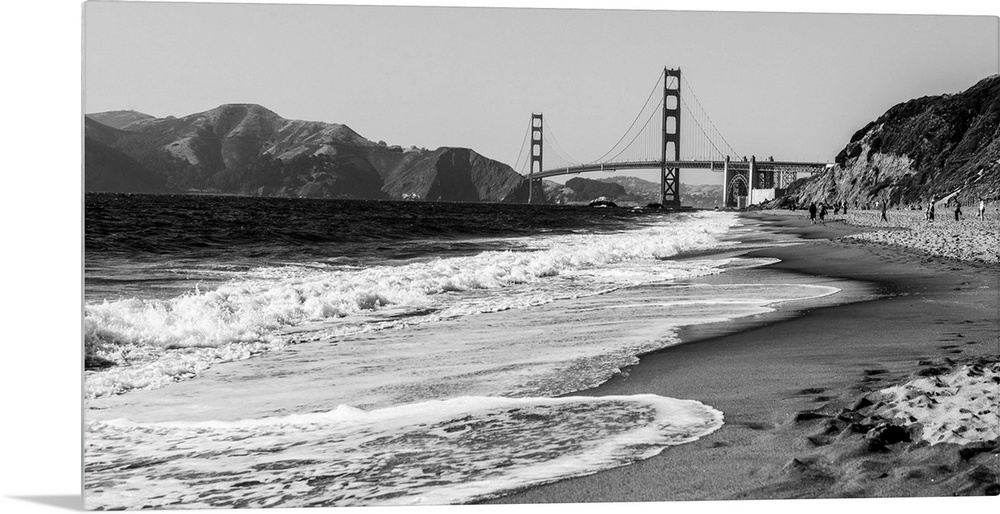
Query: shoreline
(780, 384)
(229, 380)
(228, 392)
(770, 389)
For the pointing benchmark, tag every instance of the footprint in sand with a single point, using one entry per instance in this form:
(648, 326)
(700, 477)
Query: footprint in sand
(874, 375)
(753, 425)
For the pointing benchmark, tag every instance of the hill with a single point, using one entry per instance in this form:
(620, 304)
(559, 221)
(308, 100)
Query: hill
(112, 171)
(119, 119)
(640, 192)
(702, 196)
(453, 174)
(230, 135)
(936, 146)
(249, 149)
(625, 190)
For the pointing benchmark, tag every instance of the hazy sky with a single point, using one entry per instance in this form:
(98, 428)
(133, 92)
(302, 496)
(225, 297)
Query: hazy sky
(795, 86)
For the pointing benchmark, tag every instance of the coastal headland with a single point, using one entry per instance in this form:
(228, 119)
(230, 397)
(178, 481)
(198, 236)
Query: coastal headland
(800, 393)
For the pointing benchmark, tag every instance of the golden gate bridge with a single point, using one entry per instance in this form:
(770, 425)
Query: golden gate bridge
(653, 141)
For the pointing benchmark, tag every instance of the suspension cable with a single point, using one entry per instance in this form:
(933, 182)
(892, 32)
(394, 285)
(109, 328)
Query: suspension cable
(560, 151)
(695, 119)
(717, 131)
(523, 144)
(644, 125)
(601, 158)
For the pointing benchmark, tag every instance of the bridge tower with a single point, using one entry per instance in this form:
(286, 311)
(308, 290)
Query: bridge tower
(670, 178)
(536, 152)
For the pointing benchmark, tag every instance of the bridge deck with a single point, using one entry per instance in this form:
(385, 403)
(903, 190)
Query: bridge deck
(811, 167)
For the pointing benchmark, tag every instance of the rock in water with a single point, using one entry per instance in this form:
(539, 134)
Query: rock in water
(602, 201)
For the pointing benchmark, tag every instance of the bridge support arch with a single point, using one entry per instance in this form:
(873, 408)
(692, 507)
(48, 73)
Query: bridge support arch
(748, 182)
(737, 191)
(738, 182)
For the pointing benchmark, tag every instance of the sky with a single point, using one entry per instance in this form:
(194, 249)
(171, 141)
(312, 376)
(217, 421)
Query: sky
(795, 86)
(840, 85)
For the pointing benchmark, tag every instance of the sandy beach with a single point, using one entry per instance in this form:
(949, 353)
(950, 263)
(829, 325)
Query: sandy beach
(808, 408)
(969, 239)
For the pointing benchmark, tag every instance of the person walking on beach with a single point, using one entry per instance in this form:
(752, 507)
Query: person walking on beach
(982, 209)
(812, 212)
(958, 210)
(885, 205)
(930, 210)
(822, 212)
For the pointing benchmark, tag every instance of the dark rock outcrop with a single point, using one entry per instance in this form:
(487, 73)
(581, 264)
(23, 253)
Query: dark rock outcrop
(885, 434)
(602, 201)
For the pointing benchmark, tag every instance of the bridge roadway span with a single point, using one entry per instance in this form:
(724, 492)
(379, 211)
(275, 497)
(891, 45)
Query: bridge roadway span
(741, 165)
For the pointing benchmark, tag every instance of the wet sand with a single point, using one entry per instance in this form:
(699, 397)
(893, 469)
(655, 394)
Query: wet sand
(794, 389)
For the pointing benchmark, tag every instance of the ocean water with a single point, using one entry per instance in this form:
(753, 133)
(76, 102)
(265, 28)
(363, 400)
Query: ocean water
(386, 352)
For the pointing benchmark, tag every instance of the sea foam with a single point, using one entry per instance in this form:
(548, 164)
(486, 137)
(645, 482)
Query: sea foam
(456, 408)
(266, 308)
(438, 452)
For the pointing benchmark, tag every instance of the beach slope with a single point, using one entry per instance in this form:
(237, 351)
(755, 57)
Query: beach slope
(804, 416)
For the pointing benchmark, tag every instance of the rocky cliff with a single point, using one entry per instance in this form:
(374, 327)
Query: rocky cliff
(248, 149)
(936, 146)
